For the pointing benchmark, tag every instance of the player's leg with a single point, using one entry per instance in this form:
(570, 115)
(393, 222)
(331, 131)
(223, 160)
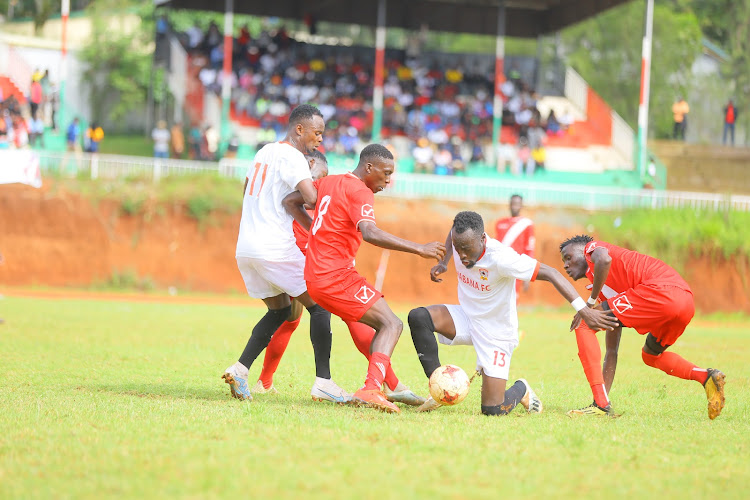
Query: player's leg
(612, 342)
(388, 329)
(276, 348)
(493, 357)
(424, 322)
(324, 389)
(279, 307)
(590, 355)
(395, 391)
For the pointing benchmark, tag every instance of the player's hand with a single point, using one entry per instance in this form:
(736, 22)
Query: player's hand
(576, 322)
(434, 250)
(436, 271)
(598, 319)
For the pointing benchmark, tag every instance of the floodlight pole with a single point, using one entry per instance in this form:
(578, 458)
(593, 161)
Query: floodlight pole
(64, 12)
(226, 84)
(645, 89)
(377, 91)
(497, 106)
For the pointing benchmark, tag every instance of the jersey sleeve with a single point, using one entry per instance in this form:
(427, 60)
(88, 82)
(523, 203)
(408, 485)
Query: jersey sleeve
(530, 241)
(361, 206)
(589, 249)
(295, 169)
(512, 264)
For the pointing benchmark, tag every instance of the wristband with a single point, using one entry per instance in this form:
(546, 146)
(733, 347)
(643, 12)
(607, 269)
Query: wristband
(578, 304)
(591, 301)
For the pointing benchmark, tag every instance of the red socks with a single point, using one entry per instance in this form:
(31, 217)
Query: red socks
(675, 365)
(379, 364)
(275, 351)
(591, 357)
(362, 336)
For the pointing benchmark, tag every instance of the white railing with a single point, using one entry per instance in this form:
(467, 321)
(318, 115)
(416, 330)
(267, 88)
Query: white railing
(623, 137)
(412, 186)
(576, 90)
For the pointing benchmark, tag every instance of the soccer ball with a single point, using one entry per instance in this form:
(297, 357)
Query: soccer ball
(449, 385)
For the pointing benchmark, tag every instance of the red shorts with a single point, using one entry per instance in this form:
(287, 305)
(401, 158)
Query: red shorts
(347, 295)
(662, 310)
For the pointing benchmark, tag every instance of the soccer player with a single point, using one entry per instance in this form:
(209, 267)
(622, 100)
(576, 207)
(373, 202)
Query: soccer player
(270, 262)
(643, 293)
(344, 216)
(518, 233)
(362, 334)
(486, 316)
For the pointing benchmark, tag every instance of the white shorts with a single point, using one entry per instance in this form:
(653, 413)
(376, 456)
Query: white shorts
(493, 354)
(265, 278)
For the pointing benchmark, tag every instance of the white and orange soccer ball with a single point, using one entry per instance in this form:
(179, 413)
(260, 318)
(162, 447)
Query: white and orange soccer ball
(449, 385)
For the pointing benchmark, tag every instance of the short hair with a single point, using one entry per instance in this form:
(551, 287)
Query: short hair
(318, 156)
(303, 112)
(516, 196)
(468, 220)
(373, 151)
(585, 239)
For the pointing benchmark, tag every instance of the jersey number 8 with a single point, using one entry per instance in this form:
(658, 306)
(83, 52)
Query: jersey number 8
(322, 209)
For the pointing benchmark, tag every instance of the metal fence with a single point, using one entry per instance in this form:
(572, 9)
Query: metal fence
(406, 185)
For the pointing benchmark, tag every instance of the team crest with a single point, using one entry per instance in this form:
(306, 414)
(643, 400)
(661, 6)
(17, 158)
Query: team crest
(622, 304)
(484, 273)
(368, 211)
(364, 294)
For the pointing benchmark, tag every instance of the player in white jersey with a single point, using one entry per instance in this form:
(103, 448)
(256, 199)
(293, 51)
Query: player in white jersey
(268, 258)
(486, 316)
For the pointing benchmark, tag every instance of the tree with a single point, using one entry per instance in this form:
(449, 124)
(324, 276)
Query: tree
(118, 58)
(606, 51)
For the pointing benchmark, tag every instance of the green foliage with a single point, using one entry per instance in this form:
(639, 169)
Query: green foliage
(674, 235)
(606, 51)
(118, 58)
(117, 399)
(127, 279)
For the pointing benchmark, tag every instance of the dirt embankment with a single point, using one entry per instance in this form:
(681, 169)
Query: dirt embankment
(61, 239)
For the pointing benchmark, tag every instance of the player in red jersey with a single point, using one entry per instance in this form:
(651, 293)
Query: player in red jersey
(344, 216)
(518, 233)
(643, 293)
(362, 334)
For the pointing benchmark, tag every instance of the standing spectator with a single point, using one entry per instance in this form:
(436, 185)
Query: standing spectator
(94, 135)
(178, 140)
(194, 142)
(72, 135)
(680, 110)
(212, 142)
(161, 136)
(35, 96)
(36, 131)
(730, 118)
(525, 162)
(423, 157)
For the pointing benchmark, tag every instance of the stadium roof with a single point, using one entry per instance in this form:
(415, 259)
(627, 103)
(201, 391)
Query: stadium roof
(524, 18)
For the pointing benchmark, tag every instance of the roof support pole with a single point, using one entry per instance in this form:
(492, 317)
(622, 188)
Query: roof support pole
(377, 91)
(497, 107)
(226, 83)
(645, 89)
(61, 117)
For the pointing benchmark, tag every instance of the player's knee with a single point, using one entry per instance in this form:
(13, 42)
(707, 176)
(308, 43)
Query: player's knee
(281, 314)
(649, 359)
(316, 310)
(420, 318)
(494, 411)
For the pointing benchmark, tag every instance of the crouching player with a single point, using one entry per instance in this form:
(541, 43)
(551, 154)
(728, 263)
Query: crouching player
(486, 316)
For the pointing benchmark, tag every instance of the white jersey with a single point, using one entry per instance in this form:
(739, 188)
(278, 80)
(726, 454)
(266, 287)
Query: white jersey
(266, 227)
(487, 291)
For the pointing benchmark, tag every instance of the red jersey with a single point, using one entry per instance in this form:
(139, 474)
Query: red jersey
(301, 235)
(517, 233)
(343, 202)
(630, 268)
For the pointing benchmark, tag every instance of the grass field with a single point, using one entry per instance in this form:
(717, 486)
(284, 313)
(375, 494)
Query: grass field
(102, 399)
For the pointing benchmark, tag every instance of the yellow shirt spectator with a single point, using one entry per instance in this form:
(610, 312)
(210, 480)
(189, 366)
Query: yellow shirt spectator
(679, 110)
(454, 75)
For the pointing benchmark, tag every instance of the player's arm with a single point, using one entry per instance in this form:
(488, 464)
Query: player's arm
(309, 192)
(294, 203)
(602, 262)
(442, 266)
(594, 318)
(610, 357)
(374, 235)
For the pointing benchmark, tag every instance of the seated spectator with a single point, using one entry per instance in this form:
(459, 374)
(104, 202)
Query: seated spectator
(423, 161)
(525, 162)
(553, 125)
(507, 159)
(443, 161)
(566, 120)
(36, 131)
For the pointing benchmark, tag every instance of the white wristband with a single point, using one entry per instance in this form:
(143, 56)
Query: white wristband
(578, 304)
(591, 301)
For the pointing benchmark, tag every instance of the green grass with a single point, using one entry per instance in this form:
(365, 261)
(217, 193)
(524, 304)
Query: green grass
(131, 145)
(102, 399)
